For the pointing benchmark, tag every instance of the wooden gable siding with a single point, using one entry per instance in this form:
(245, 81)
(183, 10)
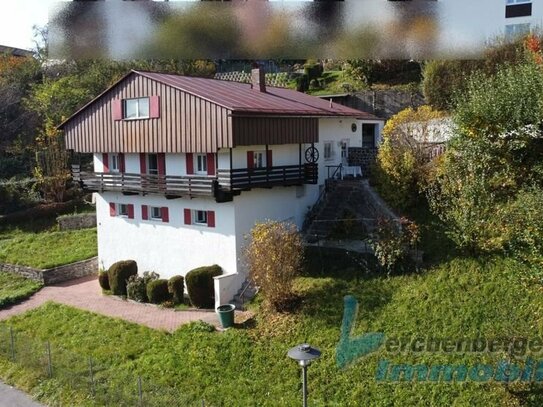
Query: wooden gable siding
(269, 130)
(186, 123)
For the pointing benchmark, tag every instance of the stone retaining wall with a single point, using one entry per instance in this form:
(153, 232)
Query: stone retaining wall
(56, 274)
(363, 157)
(79, 221)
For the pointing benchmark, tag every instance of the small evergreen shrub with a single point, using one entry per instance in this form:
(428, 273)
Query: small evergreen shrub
(103, 280)
(157, 291)
(200, 285)
(119, 273)
(136, 289)
(176, 287)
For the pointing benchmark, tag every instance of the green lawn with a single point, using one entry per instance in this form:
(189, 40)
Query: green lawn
(40, 244)
(247, 366)
(14, 288)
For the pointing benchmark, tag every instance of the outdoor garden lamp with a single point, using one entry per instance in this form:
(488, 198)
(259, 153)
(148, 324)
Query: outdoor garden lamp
(304, 354)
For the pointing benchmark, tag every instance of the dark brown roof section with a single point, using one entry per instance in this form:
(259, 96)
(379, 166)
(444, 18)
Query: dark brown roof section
(240, 98)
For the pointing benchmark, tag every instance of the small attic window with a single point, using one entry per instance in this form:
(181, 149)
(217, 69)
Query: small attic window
(136, 108)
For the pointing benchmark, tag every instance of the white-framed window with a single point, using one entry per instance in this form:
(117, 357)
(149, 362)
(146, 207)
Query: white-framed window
(137, 108)
(122, 210)
(152, 164)
(259, 159)
(155, 212)
(201, 163)
(114, 163)
(328, 150)
(510, 2)
(515, 30)
(199, 217)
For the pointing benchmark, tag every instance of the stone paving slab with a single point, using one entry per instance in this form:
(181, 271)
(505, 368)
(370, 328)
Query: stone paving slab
(85, 293)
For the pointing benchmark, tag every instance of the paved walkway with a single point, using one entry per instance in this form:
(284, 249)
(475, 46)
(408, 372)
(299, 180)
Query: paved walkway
(85, 293)
(11, 397)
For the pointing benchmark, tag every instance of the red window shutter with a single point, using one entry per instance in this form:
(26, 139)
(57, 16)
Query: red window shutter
(117, 109)
(143, 163)
(211, 219)
(210, 164)
(188, 217)
(112, 209)
(144, 212)
(122, 165)
(165, 214)
(130, 211)
(161, 164)
(105, 161)
(154, 107)
(190, 163)
(250, 159)
(269, 158)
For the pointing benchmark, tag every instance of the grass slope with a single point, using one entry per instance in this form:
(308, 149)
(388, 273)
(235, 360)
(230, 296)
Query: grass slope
(461, 298)
(14, 288)
(38, 243)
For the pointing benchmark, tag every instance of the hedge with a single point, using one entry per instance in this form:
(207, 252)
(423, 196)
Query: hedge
(157, 291)
(176, 287)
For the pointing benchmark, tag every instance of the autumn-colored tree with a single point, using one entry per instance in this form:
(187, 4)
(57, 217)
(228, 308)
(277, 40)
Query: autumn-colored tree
(274, 257)
(404, 159)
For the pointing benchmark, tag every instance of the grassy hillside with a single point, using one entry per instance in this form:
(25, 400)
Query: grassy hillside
(247, 366)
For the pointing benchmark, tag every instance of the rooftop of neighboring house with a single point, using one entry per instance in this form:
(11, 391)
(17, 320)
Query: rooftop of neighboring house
(18, 52)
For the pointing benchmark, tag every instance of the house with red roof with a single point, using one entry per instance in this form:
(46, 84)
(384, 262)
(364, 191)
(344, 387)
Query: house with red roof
(185, 166)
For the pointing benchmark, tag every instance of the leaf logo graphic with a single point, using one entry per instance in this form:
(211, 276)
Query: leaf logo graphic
(351, 348)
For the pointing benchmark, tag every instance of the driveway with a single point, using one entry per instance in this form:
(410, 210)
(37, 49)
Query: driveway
(11, 397)
(85, 293)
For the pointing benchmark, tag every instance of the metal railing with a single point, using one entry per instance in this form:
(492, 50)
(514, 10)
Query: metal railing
(337, 168)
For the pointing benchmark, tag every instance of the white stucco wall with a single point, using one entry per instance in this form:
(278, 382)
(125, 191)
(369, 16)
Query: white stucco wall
(167, 248)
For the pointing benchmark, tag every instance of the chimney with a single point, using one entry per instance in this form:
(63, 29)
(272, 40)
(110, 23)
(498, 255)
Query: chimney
(258, 79)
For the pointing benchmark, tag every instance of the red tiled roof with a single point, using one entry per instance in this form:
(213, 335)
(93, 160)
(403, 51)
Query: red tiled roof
(241, 98)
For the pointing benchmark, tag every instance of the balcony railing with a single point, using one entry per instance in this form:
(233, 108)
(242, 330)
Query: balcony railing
(285, 175)
(192, 186)
(170, 185)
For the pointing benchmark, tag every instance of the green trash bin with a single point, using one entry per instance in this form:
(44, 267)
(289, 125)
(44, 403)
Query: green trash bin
(226, 315)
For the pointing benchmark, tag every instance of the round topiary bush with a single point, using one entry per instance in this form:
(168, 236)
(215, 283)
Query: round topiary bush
(200, 285)
(176, 287)
(119, 273)
(103, 280)
(157, 291)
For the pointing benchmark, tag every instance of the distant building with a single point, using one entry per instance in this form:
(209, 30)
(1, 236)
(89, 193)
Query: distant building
(16, 52)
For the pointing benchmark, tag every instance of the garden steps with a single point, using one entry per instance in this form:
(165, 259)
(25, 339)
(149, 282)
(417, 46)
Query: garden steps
(342, 196)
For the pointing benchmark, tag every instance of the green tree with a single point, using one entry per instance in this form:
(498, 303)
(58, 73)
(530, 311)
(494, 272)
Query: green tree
(494, 155)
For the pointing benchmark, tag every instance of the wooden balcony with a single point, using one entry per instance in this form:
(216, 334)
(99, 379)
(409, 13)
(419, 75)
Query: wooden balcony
(168, 185)
(285, 175)
(222, 187)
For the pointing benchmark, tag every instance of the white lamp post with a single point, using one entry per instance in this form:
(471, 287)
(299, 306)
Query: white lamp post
(304, 354)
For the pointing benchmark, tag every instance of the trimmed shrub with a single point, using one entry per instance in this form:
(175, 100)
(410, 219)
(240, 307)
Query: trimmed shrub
(103, 280)
(157, 291)
(200, 285)
(118, 275)
(176, 287)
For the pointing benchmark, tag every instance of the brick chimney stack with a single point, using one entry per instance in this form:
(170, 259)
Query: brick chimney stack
(258, 79)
